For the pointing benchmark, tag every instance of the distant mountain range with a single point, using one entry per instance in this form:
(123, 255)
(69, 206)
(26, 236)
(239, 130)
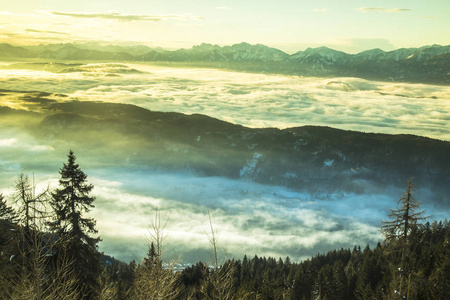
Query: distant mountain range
(428, 64)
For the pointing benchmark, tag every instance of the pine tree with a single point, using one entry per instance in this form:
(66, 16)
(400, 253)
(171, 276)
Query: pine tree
(152, 258)
(6, 212)
(339, 282)
(69, 203)
(7, 244)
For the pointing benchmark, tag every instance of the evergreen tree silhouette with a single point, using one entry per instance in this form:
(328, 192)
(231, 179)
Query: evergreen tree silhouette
(69, 203)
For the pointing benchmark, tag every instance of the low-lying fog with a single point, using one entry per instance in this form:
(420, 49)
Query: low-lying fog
(250, 218)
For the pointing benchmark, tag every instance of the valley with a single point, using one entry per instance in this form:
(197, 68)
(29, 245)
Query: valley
(331, 182)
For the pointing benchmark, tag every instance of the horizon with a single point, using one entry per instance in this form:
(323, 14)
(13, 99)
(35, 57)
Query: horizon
(125, 44)
(351, 27)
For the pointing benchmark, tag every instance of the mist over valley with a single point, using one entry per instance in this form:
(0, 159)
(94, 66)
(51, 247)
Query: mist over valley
(287, 165)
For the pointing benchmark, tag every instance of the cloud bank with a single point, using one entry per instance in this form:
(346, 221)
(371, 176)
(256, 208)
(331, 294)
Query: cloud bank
(254, 100)
(127, 18)
(383, 9)
(45, 31)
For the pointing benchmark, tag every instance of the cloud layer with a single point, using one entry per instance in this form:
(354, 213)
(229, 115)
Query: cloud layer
(249, 218)
(383, 9)
(254, 100)
(45, 31)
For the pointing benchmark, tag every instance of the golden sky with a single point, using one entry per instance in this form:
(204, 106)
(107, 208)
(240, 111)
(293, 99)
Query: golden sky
(289, 25)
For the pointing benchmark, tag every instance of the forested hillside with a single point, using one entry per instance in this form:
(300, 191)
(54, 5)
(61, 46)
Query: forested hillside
(358, 273)
(314, 158)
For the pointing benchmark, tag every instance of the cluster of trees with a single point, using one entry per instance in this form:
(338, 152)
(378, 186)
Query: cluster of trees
(413, 262)
(48, 250)
(348, 274)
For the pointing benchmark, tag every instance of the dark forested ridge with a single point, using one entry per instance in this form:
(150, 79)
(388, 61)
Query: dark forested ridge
(314, 158)
(319, 159)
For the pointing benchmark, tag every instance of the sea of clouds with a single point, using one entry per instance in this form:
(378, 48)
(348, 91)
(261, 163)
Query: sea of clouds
(250, 218)
(254, 100)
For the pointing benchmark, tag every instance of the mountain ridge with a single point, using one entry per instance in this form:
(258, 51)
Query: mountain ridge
(319, 159)
(316, 158)
(427, 64)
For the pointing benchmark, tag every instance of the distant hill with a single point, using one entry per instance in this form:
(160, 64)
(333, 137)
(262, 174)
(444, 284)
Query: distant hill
(311, 157)
(428, 64)
(316, 159)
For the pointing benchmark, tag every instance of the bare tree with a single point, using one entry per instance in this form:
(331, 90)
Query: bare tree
(31, 206)
(398, 229)
(219, 282)
(404, 217)
(157, 234)
(41, 279)
(154, 281)
(213, 243)
(108, 288)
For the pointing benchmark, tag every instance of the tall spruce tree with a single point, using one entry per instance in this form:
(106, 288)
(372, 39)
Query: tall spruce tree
(69, 203)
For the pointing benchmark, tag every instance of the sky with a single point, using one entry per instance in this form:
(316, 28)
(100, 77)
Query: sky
(290, 25)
